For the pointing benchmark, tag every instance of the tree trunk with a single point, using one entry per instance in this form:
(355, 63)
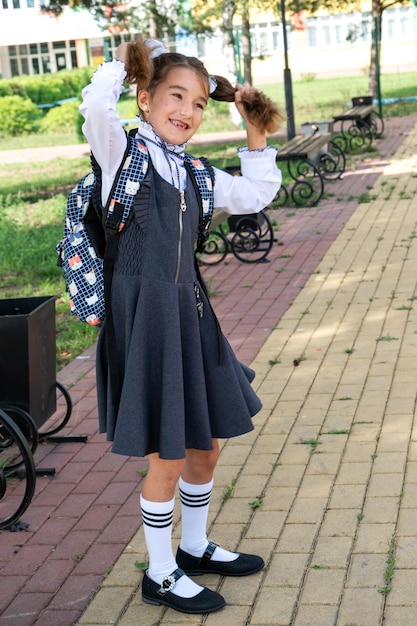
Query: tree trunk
(229, 50)
(246, 45)
(375, 47)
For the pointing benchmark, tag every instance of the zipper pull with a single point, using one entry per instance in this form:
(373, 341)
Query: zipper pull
(200, 303)
(183, 206)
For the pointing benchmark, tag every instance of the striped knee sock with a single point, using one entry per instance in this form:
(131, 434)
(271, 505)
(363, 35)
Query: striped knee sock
(195, 503)
(157, 525)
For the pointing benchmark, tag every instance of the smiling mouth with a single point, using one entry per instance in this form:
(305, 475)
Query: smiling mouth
(179, 125)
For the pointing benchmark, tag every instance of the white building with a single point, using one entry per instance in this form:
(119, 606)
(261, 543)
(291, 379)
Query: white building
(36, 43)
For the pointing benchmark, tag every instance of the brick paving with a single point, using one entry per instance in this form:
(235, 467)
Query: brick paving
(324, 487)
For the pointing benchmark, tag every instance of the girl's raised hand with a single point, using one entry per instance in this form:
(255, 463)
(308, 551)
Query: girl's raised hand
(121, 52)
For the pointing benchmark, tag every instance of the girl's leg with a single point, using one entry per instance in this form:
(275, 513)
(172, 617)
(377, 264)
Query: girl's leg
(196, 483)
(196, 555)
(157, 505)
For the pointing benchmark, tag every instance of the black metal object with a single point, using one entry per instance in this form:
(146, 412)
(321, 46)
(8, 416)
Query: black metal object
(28, 380)
(14, 452)
(374, 120)
(28, 396)
(330, 159)
(359, 125)
(307, 185)
(289, 101)
(250, 238)
(28, 355)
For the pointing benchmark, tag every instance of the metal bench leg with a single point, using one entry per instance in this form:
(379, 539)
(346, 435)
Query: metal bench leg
(253, 238)
(308, 186)
(332, 163)
(354, 136)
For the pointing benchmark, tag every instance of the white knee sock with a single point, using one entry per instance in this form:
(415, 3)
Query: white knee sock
(157, 525)
(195, 503)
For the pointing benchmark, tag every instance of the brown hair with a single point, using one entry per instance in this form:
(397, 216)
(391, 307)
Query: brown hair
(149, 73)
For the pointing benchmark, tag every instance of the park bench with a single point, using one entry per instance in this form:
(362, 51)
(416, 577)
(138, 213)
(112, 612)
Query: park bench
(359, 125)
(249, 237)
(312, 158)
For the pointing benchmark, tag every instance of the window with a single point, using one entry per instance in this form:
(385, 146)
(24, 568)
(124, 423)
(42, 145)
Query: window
(312, 36)
(109, 45)
(14, 67)
(201, 45)
(26, 59)
(46, 65)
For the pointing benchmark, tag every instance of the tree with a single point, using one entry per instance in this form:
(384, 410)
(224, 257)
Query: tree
(378, 7)
(246, 46)
(229, 44)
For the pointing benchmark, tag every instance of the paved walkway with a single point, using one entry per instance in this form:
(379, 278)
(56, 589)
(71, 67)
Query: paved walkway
(324, 488)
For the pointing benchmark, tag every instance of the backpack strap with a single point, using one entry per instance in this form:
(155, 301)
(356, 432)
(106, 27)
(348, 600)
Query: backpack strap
(204, 191)
(117, 213)
(201, 174)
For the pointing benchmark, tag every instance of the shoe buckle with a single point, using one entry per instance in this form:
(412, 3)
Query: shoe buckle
(168, 583)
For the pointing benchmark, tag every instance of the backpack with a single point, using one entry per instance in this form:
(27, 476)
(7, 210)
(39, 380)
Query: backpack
(88, 248)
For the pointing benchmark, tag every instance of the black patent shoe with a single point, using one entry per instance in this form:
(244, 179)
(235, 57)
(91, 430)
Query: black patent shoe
(244, 565)
(206, 601)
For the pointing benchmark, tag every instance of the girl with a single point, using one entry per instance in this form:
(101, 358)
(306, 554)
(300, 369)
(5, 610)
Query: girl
(182, 386)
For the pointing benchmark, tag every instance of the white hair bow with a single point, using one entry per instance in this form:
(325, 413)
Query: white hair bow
(156, 47)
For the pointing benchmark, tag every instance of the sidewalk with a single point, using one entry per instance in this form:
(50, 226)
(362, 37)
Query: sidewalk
(324, 488)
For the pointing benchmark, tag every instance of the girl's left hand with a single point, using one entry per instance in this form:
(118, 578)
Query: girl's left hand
(243, 90)
(256, 138)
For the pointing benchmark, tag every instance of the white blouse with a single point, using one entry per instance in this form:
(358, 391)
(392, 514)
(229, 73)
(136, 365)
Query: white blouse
(249, 193)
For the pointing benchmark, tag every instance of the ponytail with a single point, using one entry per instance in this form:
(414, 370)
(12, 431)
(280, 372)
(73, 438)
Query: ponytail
(261, 111)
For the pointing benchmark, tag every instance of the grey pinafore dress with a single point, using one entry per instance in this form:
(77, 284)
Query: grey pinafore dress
(180, 387)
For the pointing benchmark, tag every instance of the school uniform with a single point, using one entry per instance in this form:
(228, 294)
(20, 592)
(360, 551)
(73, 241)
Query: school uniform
(182, 384)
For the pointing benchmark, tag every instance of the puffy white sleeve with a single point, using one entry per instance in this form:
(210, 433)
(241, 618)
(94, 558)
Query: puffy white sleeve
(254, 189)
(102, 127)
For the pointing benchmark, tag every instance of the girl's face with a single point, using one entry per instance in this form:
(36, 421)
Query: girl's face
(176, 107)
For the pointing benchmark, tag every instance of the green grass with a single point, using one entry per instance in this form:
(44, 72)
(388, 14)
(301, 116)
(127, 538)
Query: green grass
(321, 98)
(32, 206)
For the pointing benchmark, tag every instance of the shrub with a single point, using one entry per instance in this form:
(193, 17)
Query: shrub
(46, 88)
(79, 121)
(5, 89)
(61, 119)
(19, 116)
